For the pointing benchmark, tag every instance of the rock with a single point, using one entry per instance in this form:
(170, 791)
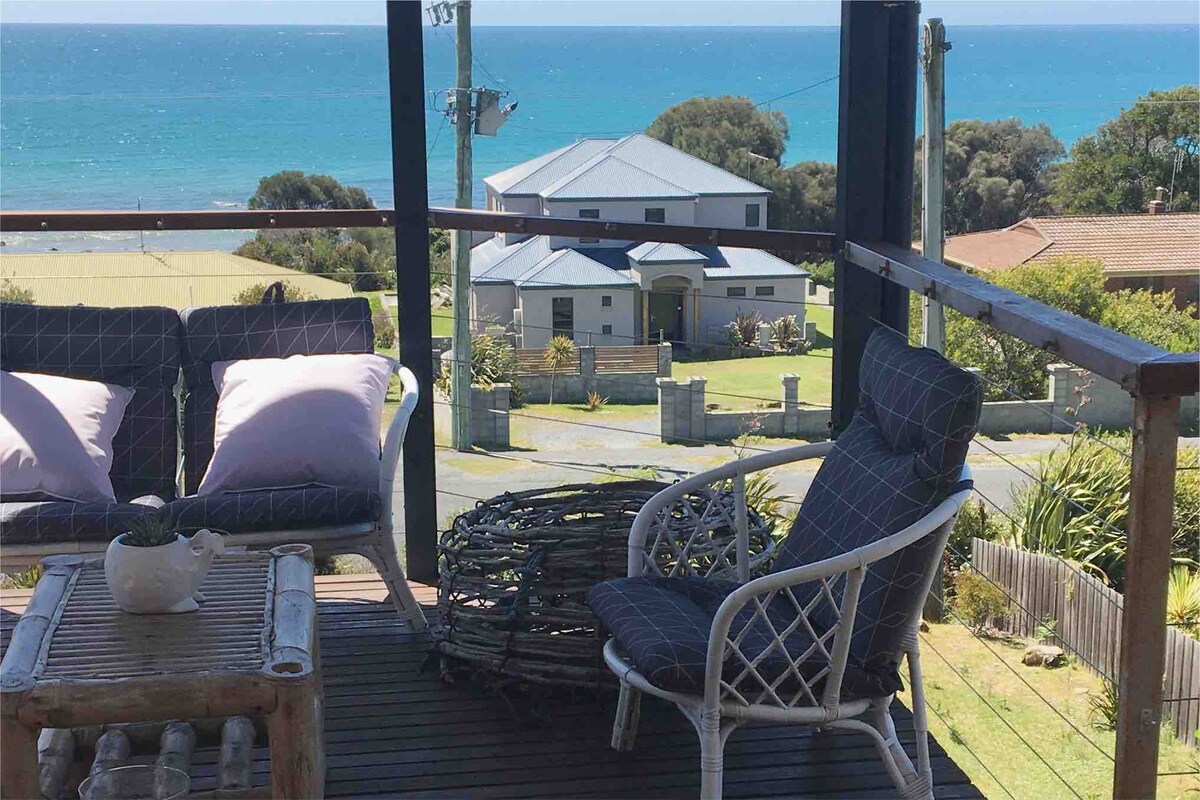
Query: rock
(923, 627)
(1044, 655)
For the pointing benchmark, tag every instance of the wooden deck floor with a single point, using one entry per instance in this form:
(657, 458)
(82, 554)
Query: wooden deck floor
(394, 731)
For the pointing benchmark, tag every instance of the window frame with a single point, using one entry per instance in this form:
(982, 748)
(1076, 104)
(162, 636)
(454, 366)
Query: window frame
(606, 330)
(764, 291)
(735, 291)
(757, 215)
(555, 328)
(662, 212)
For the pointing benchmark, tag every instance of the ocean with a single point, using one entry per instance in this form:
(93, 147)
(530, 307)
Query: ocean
(190, 117)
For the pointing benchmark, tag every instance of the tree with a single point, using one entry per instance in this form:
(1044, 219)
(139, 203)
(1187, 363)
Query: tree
(1013, 367)
(12, 293)
(295, 189)
(1117, 168)
(558, 354)
(725, 131)
(253, 295)
(996, 173)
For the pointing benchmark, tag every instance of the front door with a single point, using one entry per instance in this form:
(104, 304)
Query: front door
(666, 316)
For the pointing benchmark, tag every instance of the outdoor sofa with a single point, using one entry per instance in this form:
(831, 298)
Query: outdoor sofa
(165, 440)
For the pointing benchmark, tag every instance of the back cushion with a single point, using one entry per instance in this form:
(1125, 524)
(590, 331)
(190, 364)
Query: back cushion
(134, 347)
(279, 330)
(899, 458)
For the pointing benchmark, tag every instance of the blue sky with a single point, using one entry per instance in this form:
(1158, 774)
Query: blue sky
(596, 12)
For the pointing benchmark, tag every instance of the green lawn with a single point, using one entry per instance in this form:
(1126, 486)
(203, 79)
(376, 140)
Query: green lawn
(748, 383)
(967, 724)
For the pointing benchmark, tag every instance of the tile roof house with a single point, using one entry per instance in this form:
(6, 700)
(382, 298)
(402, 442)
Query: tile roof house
(622, 292)
(1158, 251)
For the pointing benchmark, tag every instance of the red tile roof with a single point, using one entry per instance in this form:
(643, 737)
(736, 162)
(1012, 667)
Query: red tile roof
(1127, 244)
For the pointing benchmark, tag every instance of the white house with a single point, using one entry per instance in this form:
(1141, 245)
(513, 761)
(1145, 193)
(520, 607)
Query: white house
(621, 292)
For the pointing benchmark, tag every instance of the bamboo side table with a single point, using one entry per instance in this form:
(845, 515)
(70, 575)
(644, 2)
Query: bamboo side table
(75, 659)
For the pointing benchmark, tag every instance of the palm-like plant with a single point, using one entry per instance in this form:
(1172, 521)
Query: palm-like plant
(1183, 599)
(558, 353)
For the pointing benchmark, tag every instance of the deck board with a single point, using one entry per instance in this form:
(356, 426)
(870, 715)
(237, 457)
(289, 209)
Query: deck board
(395, 731)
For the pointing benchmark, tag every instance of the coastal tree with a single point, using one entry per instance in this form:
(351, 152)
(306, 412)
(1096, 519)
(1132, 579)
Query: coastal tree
(1156, 142)
(997, 173)
(735, 135)
(292, 188)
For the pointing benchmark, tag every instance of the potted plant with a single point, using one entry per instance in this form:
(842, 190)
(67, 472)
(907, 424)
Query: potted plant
(154, 569)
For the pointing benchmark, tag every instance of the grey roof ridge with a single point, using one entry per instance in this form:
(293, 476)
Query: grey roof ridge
(624, 139)
(565, 150)
(649, 253)
(596, 161)
(537, 269)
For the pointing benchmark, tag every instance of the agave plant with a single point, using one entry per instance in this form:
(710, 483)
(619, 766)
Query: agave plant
(595, 401)
(1183, 600)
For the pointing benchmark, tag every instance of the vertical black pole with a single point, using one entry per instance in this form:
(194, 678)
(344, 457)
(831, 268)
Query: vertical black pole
(406, 82)
(876, 136)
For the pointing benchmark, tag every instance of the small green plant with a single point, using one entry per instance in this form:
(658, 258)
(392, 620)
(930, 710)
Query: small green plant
(12, 293)
(151, 530)
(492, 361)
(1047, 630)
(595, 402)
(26, 579)
(1104, 705)
(558, 354)
(977, 601)
(974, 521)
(1183, 600)
(253, 295)
(743, 331)
(385, 330)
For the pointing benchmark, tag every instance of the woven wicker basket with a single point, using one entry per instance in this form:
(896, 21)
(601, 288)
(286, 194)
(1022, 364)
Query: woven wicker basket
(514, 571)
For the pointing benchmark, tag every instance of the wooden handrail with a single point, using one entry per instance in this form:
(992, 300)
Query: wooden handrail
(1139, 367)
(449, 218)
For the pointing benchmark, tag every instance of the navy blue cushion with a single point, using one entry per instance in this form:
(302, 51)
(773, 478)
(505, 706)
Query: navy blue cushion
(899, 458)
(61, 521)
(276, 509)
(134, 347)
(229, 333)
(662, 625)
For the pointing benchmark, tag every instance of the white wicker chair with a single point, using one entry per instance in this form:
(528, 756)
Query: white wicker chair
(811, 699)
(819, 640)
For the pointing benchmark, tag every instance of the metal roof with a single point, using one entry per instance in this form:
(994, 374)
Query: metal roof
(533, 176)
(569, 267)
(169, 279)
(745, 262)
(693, 175)
(665, 253)
(610, 178)
(492, 262)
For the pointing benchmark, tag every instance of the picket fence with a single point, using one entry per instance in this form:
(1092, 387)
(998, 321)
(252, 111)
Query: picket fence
(1085, 616)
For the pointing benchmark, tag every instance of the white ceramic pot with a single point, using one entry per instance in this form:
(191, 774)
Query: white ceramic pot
(163, 579)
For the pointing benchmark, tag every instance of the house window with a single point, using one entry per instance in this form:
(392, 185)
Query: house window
(764, 291)
(1154, 284)
(562, 313)
(606, 330)
(812, 288)
(606, 301)
(588, 213)
(735, 291)
(752, 218)
(656, 215)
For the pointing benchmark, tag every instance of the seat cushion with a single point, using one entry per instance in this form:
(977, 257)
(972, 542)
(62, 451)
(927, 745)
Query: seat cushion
(234, 333)
(138, 348)
(57, 521)
(276, 509)
(662, 625)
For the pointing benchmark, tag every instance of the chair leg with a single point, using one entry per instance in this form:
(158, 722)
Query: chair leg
(920, 721)
(383, 556)
(712, 755)
(629, 712)
(909, 783)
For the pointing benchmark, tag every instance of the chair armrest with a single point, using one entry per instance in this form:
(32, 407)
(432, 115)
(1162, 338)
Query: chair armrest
(393, 441)
(650, 523)
(853, 565)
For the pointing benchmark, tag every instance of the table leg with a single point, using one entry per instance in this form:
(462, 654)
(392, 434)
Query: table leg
(19, 766)
(295, 730)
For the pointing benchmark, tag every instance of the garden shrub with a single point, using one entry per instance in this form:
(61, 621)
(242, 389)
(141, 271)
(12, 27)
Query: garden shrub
(385, 331)
(977, 601)
(492, 361)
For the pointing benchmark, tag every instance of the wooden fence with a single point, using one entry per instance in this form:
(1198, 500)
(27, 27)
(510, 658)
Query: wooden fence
(1085, 616)
(532, 361)
(635, 358)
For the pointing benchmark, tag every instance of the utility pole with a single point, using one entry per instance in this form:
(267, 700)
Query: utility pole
(933, 223)
(933, 183)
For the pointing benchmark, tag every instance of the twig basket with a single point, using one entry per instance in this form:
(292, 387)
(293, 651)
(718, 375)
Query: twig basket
(514, 572)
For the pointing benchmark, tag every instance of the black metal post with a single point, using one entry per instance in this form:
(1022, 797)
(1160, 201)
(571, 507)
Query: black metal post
(876, 137)
(406, 83)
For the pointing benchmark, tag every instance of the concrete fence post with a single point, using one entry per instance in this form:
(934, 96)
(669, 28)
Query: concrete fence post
(664, 360)
(791, 403)
(764, 335)
(698, 426)
(667, 396)
(1064, 401)
(587, 368)
(810, 331)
